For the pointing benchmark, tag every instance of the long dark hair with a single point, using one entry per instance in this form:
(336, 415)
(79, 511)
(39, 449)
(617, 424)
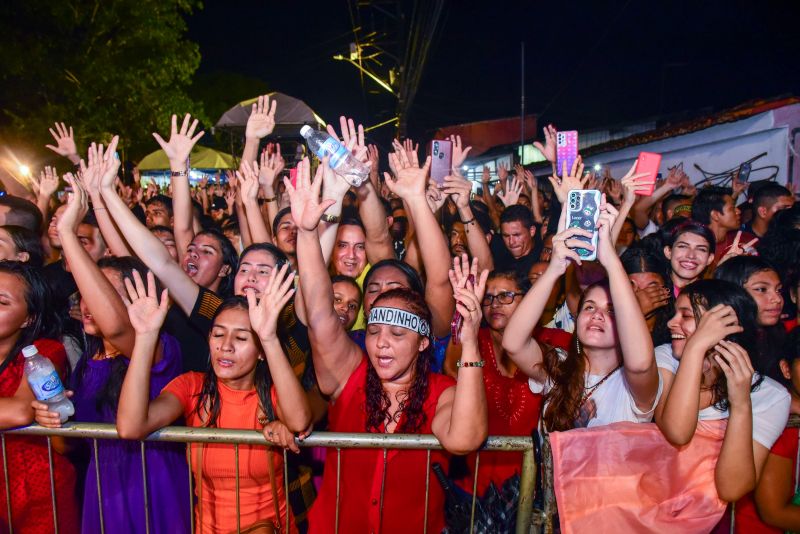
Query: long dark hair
(769, 339)
(108, 396)
(639, 260)
(43, 322)
(229, 258)
(412, 277)
(563, 402)
(208, 404)
(27, 241)
(378, 401)
(704, 295)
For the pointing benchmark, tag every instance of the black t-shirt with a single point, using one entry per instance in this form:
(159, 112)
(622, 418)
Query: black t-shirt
(193, 340)
(504, 261)
(62, 287)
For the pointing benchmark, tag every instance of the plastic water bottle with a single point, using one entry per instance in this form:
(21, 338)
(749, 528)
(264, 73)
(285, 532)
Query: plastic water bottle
(340, 159)
(45, 383)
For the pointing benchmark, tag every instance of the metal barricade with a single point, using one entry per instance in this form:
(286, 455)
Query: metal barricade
(329, 440)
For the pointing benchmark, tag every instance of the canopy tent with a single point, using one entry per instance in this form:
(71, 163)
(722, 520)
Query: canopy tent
(290, 115)
(201, 158)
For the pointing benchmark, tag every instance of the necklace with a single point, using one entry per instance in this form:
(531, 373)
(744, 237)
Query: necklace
(589, 391)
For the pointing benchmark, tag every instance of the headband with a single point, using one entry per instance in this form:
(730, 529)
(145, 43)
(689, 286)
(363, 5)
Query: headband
(401, 318)
(683, 208)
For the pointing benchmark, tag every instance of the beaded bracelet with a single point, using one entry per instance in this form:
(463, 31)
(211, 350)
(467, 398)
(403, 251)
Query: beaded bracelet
(472, 220)
(479, 363)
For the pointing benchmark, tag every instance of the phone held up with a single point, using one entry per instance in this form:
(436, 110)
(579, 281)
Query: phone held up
(583, 211)
(648, 162)
(566, 150)
(441, 159)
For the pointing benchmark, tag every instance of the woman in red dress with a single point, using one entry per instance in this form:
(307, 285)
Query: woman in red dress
(25, 320)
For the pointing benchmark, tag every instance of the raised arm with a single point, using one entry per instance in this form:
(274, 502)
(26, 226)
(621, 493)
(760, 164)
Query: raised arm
(293, 408)
(150, 250)
(632, 185)
(45, 187)
(641, 210)
(260, 124)
(271, 167)
(639, 361)
(410, 186)
(248, 182)
(101, 298)
(678, 420)
(335, 355)
(177, 150)
(461, 420)
(459, 190)
(137, 416)
(65, 143)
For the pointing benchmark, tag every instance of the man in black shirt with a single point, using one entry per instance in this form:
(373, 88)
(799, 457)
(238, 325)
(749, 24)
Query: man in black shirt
(522, 248)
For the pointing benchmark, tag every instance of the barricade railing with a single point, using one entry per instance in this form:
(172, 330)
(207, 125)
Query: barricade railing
(335, 441)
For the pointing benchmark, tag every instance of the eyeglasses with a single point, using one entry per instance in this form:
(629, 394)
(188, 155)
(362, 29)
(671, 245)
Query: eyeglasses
(506, 297)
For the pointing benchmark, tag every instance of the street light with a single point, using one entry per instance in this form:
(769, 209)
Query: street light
(597, 167)
(24, 170)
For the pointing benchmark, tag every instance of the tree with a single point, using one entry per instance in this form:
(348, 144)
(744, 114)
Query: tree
(104, 67)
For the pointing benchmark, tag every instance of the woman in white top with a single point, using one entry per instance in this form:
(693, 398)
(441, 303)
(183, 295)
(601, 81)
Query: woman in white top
(713, 338)
(606, 377)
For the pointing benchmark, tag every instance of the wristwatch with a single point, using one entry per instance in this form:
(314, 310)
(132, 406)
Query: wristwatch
(184, 172)
(332, 219)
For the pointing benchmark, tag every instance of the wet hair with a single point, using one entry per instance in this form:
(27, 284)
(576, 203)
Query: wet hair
(278, 217)
(209, 404)
(562, 404)
(22, 213)
(26, 241)
(707, 200)
(738, 270)
(704, 295)
(639, 260)
(160, 199)
(43, 319)
(411, 404)
(229, 258)
(696, 228)
(768, 194)
(343, 278)
(412, 277)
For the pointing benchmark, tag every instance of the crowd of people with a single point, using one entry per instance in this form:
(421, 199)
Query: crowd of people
(403, 305)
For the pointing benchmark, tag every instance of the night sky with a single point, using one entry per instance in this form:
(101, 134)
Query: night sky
(588, 64)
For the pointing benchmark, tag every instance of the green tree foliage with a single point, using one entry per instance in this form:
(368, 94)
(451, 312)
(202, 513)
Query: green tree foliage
(104, 67)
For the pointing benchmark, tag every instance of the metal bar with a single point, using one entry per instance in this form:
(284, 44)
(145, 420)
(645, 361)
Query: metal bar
(52, 482)
(474, 493)
(191, 486)
(144, 488)
(238, 510)
(253, 437)
(527, 485)
(8, 485)
(338, 481)
(99, 490)
(427, 491)
(286, 486)
(383, 487)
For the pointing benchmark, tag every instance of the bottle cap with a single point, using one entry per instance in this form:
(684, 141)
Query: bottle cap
(306, 130)
(29, 351)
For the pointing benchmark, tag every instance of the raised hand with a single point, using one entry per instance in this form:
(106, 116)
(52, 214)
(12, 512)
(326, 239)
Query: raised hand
(606, 250)
(304, 199)
(247, 176)
(564, 244)
(352, 137)
(459, 152)
(737, 249)
(674, 177)
(48, 182)
(65, 141)
(486, 176)
(373, 157)
(636, 184)
(735, 363)
(261, 121)
(146, 312)
(102, 168)
(548, 150)
(572, 180)
(502, 172)
(737, 186)
(77, 207)
(531, 182)
(458, 188)
(510, 195)
(435, 196)
(715, 325)
(468, 289)
(180, 141)
(264, 313)
(411, 179)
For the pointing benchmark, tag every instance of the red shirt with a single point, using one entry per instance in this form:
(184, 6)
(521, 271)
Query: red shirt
(362, 469)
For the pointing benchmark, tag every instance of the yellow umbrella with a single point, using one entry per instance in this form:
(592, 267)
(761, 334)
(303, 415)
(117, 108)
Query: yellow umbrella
(201, 158)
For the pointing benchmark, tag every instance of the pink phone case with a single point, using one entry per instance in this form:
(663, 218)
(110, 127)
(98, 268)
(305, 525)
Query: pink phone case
(648, 162)
(441, 159)
(566, 150)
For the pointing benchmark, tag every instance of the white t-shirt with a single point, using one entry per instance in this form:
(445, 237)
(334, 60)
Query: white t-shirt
(651, 228)
(770, 402)
(562, 319)
(611, 402)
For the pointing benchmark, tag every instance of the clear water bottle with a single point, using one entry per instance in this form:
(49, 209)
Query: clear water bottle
(46, 384)
(340, 159)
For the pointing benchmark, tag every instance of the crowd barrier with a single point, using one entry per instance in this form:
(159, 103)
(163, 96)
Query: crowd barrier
(330, 440)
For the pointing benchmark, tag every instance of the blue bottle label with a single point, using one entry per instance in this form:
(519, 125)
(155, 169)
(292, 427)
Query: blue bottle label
(336, 152)
(48, 388)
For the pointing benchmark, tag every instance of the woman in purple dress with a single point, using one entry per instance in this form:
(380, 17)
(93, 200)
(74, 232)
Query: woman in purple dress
(97, 382)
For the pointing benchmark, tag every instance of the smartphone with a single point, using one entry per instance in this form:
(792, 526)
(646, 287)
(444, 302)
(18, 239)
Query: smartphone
(441, 159)
(648, 162)
(744, 172)
(566, 150)
(583, 210)
(293, 177)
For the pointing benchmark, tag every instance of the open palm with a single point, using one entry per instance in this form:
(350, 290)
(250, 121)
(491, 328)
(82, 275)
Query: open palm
(304, 198)
(145, 311)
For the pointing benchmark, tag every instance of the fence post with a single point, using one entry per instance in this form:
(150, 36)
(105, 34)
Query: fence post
(527, 485)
